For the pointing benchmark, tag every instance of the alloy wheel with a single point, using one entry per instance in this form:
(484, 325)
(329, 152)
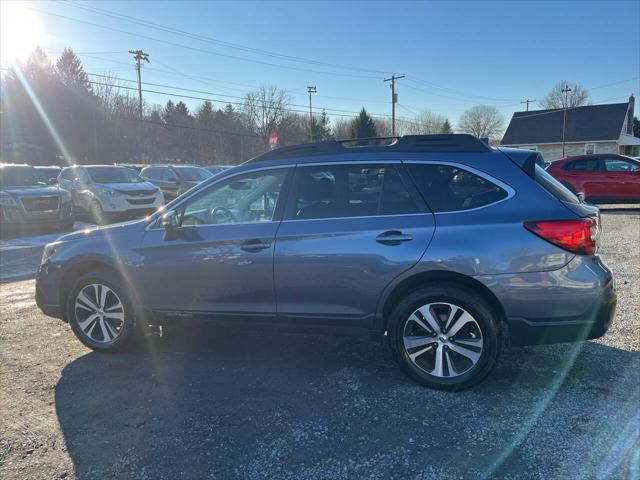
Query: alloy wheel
(442, 339)
(99, 313)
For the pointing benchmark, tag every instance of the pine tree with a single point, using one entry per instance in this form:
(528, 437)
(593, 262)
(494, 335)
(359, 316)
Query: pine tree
(320, 127)
(71, 73)
(446, 127)
(363, 126)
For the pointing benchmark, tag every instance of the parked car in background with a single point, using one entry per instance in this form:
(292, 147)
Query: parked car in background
(107, 192)
(27, 199)
(50, 173)
(174, 180)
(133, 166)
(216, 169)
(602, 178)
(438, 244)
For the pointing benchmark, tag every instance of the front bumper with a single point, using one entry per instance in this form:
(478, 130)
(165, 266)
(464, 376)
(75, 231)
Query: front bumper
(574, 303)
(17, 216)
(131, 205)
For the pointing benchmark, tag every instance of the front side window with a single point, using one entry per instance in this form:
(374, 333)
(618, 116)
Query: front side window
(336, 191)
(448, 188)
(193, 174)
(619, 165)
(244, 198)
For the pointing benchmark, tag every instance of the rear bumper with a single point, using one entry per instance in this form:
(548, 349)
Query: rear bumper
(574, 303)
(527, 332)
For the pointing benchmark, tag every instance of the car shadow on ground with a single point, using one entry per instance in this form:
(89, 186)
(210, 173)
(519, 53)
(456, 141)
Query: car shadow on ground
(215, 403)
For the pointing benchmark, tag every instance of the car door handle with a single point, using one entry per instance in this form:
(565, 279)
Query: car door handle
(254, 245)
(393, 237)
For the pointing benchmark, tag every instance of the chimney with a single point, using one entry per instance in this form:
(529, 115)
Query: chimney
(632, 101)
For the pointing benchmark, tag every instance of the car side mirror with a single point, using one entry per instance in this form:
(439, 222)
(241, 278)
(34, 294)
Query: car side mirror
(171, 224)
(580, 196)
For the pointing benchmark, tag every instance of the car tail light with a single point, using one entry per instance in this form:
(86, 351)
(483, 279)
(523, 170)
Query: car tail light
(577, 236)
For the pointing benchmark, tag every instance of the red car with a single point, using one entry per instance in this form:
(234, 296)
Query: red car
(603, 178)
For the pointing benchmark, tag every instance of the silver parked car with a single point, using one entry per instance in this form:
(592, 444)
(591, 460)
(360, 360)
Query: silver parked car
(108, 192)
(27, 199)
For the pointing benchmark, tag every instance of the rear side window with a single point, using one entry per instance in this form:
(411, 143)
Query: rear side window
(619, 165)
(152, 173)
(448, 188)
(590, 165)
(335, 191)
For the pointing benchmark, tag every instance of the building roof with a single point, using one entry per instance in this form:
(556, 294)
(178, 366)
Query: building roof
(584, 124)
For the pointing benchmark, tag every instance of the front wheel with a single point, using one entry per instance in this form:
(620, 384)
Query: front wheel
(100, 312)
(445, 336)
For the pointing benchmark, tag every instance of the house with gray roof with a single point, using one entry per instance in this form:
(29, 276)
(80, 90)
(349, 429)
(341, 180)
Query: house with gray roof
(589, 129)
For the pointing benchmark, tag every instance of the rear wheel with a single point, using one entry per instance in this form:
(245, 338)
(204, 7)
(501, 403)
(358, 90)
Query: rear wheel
(100, 312)
(445, 336)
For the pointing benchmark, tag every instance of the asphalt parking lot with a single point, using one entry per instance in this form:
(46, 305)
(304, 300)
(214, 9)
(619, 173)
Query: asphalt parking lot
(220, 404)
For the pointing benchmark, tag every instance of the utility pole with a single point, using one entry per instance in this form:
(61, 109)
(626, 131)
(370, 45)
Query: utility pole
(566, 91)
(394, 100)
(140, 55)
(527, 101)
(312, 91)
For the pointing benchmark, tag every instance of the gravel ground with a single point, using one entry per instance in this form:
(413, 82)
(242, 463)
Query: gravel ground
(217, 404)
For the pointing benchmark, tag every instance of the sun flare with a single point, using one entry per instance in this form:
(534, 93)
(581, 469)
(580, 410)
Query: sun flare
(21, 31)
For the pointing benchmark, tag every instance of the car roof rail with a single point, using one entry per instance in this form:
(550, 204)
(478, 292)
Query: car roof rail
(455, 143)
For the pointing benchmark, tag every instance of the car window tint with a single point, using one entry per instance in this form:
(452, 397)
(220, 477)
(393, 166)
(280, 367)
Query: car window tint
(335, 191)
(68, 174)
(619, 165)
(151, 173)
(244, 198)
(589, 165)
(449, 188)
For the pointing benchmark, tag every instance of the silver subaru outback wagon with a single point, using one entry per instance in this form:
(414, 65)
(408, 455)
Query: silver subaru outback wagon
(439, 245)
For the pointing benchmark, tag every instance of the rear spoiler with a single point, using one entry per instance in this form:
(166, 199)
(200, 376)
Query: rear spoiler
(525, 159)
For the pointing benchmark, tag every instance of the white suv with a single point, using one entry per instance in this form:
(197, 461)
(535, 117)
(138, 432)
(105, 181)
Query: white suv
(109, 192)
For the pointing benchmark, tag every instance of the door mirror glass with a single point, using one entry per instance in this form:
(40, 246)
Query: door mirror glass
(580, 196)
(171, 220)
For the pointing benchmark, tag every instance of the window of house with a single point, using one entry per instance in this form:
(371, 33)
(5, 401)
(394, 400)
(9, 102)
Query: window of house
(335, 191)
(590, 148)
(448, 188)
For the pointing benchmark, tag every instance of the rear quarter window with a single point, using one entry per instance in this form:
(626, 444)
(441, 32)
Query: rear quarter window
(448, 188)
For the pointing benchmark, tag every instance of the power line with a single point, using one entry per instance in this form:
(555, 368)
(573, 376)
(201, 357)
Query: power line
(312, 91)
(189, 47)
(219, 42)
(527, 101)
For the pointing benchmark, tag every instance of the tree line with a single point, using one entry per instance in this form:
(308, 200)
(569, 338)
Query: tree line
(51, 112)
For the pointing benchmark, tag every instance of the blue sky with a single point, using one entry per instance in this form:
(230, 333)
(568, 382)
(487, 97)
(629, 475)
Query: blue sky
(455, 54)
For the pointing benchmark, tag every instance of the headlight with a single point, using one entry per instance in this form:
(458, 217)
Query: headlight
(106, 191)
(7, 200)
(50, 250)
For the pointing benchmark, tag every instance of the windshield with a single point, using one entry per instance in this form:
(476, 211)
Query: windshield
(21, 177)
(114, 175)
(193, 174)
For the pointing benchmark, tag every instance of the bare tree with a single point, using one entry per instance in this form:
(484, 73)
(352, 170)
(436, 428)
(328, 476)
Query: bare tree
(342, 129)
(577, 97)
(425, 123)
(264, 109)
(483, 121)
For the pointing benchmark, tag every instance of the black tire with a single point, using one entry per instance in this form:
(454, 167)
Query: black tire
(126, 331)
(97, 213)
(461, 296)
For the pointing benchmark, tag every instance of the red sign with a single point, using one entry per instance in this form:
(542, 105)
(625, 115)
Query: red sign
(273, 140)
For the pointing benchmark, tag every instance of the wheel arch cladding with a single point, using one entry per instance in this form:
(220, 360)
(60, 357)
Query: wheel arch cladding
(420, 280)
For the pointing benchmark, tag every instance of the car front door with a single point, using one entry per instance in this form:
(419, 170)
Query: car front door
(216, 258)
(348, 231)
(621, 178)
(584, 176)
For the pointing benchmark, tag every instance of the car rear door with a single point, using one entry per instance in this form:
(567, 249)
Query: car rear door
(348, 230)
(584, 176)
